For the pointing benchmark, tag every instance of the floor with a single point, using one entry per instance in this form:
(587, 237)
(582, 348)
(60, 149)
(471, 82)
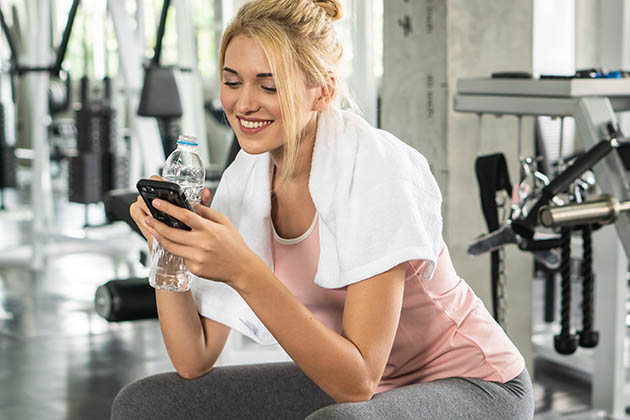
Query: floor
(61, 360)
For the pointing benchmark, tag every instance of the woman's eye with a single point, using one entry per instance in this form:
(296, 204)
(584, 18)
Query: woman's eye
(269, 89)
(231, 84)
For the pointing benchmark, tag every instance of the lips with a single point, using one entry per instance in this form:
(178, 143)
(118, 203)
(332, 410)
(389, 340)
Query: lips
(253, 125)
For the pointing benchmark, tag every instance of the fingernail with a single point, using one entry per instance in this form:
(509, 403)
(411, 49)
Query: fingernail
(156, 203)
(147, 220)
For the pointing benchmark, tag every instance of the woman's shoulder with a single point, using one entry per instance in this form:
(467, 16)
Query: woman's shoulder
(375, 140)
(382, 155)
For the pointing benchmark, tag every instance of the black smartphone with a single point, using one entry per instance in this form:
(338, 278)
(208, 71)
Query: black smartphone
(167, 191)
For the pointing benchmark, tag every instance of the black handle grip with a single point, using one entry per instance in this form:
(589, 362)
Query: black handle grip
(581, 165)
(570, 174)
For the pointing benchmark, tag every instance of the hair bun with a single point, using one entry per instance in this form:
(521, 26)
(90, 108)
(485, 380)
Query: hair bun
(331, 7)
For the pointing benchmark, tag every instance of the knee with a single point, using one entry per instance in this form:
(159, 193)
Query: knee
(342, 411)
(123, 401)
(134, 401)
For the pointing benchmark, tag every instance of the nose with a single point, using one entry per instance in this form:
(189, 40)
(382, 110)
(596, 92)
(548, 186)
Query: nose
(247, 103)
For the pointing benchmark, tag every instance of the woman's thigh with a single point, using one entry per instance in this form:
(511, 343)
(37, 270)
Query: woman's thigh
(453, 398)
(263, 391)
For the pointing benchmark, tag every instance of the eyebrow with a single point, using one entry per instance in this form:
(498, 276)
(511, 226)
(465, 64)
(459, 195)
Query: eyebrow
(259, 75)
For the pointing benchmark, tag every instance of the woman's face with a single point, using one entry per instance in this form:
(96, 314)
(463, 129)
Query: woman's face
(249, 97)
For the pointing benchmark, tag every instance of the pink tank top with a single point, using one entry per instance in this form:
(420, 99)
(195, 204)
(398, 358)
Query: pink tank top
(444, 329)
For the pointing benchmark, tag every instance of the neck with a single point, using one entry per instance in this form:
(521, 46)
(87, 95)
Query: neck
(302, 168)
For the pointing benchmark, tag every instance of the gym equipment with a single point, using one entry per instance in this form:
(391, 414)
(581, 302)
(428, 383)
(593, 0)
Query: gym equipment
(492, 178)
(8, 161)
(85, 178)
(59, 84)
(125, 300)
(592, 103)
(507, 232)
(566, 342)
(603, 210)
(100, 166)
(160, 95)
(38, 102)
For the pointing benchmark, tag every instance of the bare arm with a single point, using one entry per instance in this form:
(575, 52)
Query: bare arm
(193, 342)
(348, 367)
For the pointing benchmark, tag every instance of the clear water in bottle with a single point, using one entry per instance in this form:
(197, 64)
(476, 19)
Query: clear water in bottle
(183, 167)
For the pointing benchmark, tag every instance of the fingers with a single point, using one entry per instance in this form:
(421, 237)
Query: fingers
(139, 212)
(183, 215)
(174, 247)
(162, 230)
(156, 178)
(206, 196)
(142, 204)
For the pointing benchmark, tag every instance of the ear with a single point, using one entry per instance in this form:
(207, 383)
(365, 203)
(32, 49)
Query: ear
(326, 94)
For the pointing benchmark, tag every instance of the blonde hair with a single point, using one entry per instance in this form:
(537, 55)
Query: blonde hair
(301, 45)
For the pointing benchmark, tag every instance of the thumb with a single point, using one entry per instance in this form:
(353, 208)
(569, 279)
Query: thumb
(205, 197)
(212, 215)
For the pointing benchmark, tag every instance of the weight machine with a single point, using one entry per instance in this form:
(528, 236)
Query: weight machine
(593, 104)
(34, 70)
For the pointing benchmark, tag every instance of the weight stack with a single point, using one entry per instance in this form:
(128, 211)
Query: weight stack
(8, 161)
(8, 167)
(115, 162)
(119, 175)
(91, 133)
(126, 300)
(85, 178)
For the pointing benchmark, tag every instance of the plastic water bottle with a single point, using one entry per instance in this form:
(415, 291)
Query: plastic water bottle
(185, 168)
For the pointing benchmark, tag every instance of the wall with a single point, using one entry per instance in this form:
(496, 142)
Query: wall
(428, 45)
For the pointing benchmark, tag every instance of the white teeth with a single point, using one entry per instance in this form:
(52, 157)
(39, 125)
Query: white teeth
(254, 124)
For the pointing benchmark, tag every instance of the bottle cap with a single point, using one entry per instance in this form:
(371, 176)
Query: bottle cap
(187, 140)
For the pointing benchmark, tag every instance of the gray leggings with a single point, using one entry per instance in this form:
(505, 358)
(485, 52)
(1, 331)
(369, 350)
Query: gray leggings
(281, 391)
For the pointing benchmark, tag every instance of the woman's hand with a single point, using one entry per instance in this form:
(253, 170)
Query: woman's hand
(139, 212)
(213, 249)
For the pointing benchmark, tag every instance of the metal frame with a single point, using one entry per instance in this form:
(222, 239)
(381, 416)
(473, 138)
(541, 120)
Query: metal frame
(190, 84)
(592, 103)
(46, 239)
(363, 81)
(38, 54)
(146, 155)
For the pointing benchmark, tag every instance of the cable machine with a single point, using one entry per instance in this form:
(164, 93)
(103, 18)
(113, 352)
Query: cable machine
(592, 103)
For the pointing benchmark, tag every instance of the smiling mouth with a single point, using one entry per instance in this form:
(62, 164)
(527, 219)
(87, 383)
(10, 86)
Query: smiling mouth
(254, 124)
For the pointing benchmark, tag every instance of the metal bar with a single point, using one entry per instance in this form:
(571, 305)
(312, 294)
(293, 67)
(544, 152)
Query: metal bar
(608, 376)
(160, 32)
(363, 57)
(63, 47)
(38, 53)
(514, 105)
(544, 88)
(10, 40)
(147, 154)
(611, 265)
(591, 116)
(189, 82)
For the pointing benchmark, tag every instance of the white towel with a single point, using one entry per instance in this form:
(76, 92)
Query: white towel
(378, 203)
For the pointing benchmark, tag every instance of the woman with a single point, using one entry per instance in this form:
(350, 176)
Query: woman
(325, 236)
